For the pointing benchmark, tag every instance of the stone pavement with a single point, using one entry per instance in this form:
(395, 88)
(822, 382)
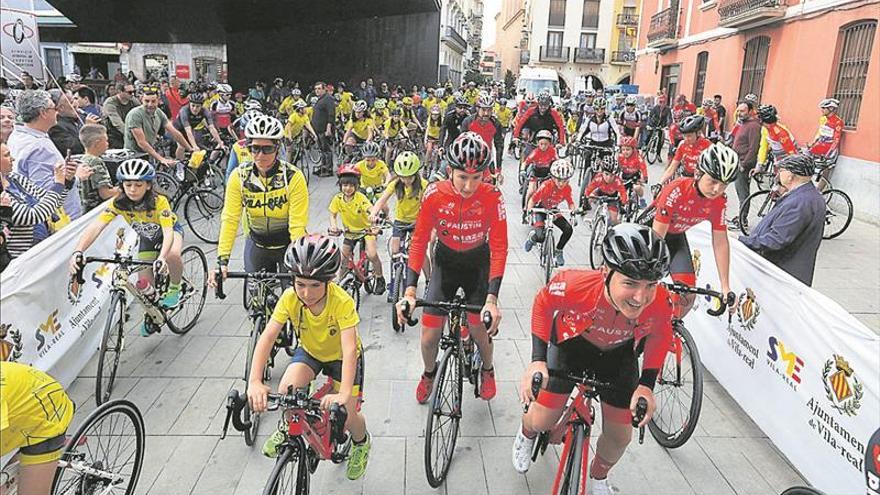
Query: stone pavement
(180, 383)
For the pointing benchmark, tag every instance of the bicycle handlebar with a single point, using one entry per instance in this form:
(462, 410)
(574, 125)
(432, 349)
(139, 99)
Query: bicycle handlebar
(261, 275)
(298, 399)
(116, 260)
(724, 300)
(446, 306)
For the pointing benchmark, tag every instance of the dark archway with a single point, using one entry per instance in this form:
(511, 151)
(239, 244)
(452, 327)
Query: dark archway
(593, 80)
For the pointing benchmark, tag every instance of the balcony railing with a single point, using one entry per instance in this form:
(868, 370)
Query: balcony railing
(589, 55)
(554, 53)
(749, 13)
(663, 30)
(627, 20)
(524, 57)
(623, 57)
(451, 36)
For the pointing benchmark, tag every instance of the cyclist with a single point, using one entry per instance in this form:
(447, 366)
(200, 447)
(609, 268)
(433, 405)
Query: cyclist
(659, 118)
(577, 327)
(298, 121)
(827, 140)
(222, 109)
(359, 128)
(550, 195)
(707, 110)
(434, 98)
(393, 127)
(632, 165)
(452, 121)
(373, 172)
(287, 105)
(193, 122)
(585, 107)
(151, 217)
(273, 197)
(35, 413)
(354, 209)
(630, 118)
(540, 117)
(688, 201)
(681, 110)
(606, 183)
(684, 162)
(470, 253)
(432, 133)
(488, 127)
(775, 138)
(599, 130)
(536, 166)
(380, 111)
(325, 321)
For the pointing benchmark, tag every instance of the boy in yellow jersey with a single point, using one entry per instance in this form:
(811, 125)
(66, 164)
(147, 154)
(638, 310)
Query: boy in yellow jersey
(288, 103)
(325, 320)
(346, 101)
(354, 209)
(360, 127)
(380, 111)
(35, 413)
(432, 100)
(432, 134)
(394, 128)
(374, 172)
(298, 121)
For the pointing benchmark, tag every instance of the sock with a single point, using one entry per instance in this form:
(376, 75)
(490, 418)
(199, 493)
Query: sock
(528, 433)
(487, 369)
(362, 440)
(430, 374)
(599, 468)
(172, 288)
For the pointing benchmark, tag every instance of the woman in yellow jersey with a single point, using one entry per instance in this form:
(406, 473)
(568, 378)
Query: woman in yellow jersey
(380, 112)
(432, 135)
(273, 196)
(35, 413)
(359, 128)
(295, 125)
(354, 209)
(325, 321)
(151, 217)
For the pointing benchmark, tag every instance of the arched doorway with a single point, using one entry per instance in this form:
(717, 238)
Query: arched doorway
(624, 80)
(593, 82)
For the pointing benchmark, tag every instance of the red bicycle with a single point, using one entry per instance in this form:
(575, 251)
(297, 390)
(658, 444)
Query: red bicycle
(359, 269)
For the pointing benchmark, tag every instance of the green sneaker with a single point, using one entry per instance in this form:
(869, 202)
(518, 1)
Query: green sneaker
(270, 447)
(357, 461)
(172, 297)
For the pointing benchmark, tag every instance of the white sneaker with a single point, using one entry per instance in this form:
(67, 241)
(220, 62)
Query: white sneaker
(600, 487)
(522, 452)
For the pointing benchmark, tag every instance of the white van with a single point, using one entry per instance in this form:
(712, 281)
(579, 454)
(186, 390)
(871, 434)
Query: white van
(534, 80)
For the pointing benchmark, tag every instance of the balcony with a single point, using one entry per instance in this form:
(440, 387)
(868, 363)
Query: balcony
(627, 20)
(663, 31)
(454, 40)
(524, 57)
(589, 55)
(554, 53)
(625, 57)
(747, 14)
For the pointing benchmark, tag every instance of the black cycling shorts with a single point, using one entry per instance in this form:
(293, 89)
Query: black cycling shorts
(451, 270)
(681, 262)
(618, 367)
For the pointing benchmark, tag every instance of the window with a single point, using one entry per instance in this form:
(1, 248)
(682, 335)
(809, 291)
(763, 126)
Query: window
(588, 40)
(700, 77)
(754, 66)
(669, 80)
(853, 54)
(590, 18)
(557, 13)
(554, 40)
(53, 61)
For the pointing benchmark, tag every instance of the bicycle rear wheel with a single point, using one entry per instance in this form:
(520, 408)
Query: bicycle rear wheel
(755, 208)
(193, 289)
(202, 211)
(678, 393)
(110, 441)
(838, 212)
(441, 429)
(596, 238)
(250, 435)
(111, 348)
(290, 476)
(167, 185)
(549, 251)
(653, 151)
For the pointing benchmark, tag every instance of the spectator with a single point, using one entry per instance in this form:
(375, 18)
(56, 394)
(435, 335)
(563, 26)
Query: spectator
(27, 82)
(109, 91)
(789, 236)
(722, 114)
(87, 101)
(131, 77)
(383, 92)
(36, 156)
(98, 187)
(143, 124)
(163, 98)
(7, 122)
(31, 204)
(176, 100)
(65, 133)
(94, 73)
(257, 93)
(745, 143)
(116, 109)
(119, 77)
(323, 115)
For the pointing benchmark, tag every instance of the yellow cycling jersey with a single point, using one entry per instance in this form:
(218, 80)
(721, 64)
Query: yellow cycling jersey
(503, 114)
(320, 335)
(571, 125)
(355, 212)
(148, 223)
(295, 124)
(286, 106)
(392, 128)
(346, 103)
(211, 99)
(407, 208)
(379, 116)
(33, 409)
(375, 176)
(276, 206)
(360, 127)
(430, 102)
(472, 95)
(432, 127)
(392, 104)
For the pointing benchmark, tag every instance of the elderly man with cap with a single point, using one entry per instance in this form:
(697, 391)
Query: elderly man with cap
(790, 234)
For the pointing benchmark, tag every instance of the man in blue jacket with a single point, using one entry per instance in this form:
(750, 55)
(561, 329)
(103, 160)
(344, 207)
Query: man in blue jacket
(790, 234)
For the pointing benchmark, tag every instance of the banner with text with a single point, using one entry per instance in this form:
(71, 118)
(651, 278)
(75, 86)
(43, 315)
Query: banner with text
(38, 323)
(19, 44)
(806, 371)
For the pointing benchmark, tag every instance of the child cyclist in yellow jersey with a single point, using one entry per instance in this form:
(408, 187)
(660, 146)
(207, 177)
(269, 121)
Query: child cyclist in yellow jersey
(374, 172)
(393, 128)
(325, 320)
(150, 215)
(360, 127)
(354, 209)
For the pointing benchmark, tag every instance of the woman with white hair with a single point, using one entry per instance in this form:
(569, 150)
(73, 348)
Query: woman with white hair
(7, 122)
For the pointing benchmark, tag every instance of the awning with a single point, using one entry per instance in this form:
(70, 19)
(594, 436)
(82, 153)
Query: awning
(94, 48)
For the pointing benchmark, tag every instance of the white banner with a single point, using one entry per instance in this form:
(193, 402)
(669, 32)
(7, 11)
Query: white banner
(42, 327)
(20, 44)
(806, 371)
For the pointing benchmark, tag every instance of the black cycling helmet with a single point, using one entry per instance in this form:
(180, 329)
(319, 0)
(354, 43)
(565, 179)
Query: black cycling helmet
(720, 162)
(767, 114)
(609, 164)
(692, 123)
(197, 98)
(636, 251)
(545, 99)
(469, 153)
(800, 164)
(314, 257)
(461, 101)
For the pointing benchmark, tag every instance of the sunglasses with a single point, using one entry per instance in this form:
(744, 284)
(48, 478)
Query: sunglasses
(266, 149)
(149, 90)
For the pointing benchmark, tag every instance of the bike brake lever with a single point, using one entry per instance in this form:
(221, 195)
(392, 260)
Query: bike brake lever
(410, 321)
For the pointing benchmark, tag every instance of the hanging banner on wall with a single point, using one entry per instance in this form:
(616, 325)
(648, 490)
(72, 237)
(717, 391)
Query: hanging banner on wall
(805, 370)
(182, 71)
(19, 44)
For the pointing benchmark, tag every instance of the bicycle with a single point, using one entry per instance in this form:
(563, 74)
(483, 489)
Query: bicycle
(574, 428)
(312, 435)
(398, 273)
(461, 358)
(767, 176)
(838, 209)
(630, 211)
(654, 146)
(179, 319)
(525, 178)
(358, 273)
(201, 205)
(588, 169)
(263, 299)
(302, 156)
(104, 456)
(547, 254)
(599, 226)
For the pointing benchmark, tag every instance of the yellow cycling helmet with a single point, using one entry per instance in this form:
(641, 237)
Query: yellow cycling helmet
(379, 104)
(406, 164)
(407, 100)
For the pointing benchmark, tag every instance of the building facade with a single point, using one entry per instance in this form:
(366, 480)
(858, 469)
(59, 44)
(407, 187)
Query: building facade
(790, 53)
(461, 25)
(510, 35)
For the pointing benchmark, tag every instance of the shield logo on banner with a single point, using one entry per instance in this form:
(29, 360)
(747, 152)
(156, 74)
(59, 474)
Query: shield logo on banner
(10, 343)
(842, 387)
(695, 260)
(748, 309)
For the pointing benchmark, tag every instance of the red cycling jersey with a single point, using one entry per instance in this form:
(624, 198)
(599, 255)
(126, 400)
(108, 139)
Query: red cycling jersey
(549, 195)
(576, 300)
(462, 224)
(542, 159)
(828, 136)
(688, 155)
(607, 188)
(682, 206)
(635, 164)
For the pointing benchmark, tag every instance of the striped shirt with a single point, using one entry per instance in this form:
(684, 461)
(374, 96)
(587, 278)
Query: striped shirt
(31, 205)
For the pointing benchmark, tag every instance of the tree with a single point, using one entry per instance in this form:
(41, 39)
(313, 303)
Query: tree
(509, 82)
(474, 76)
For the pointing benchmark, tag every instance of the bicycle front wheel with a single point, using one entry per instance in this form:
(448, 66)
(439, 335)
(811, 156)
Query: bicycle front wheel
(250, 435)
(193, 289)
(396, 290)
(110, 442)
(111, 349)
(596, 238)
(290, 476)
(441, 429)
(653, 151)
(838, 212)
(571, 476)
(549, 252)
(678, 393)
(353, 287)
(754, 209)
(202, 211)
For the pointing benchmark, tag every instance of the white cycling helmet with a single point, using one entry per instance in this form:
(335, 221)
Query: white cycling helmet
(544, 134)
(439, 92)
(562, 169)
(360, 106)
(720, 162)
(829, 103)
(264, 127)
(135, 169)
(224, 88)
(296, 92)
(630, 100)
(253, 105)
(299, 104)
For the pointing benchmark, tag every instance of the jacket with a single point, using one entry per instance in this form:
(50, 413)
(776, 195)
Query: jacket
(746, 143)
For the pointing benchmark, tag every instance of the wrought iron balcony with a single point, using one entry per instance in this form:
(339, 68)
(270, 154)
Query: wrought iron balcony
(454, 40)
(627, 20)
(589, 55)
(554, 53)
(624, 57)
(524, 57)
(749, 13)
(663, 31)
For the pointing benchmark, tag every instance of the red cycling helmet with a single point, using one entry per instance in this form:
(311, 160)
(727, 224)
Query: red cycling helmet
(628, 141)
(348, 169)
